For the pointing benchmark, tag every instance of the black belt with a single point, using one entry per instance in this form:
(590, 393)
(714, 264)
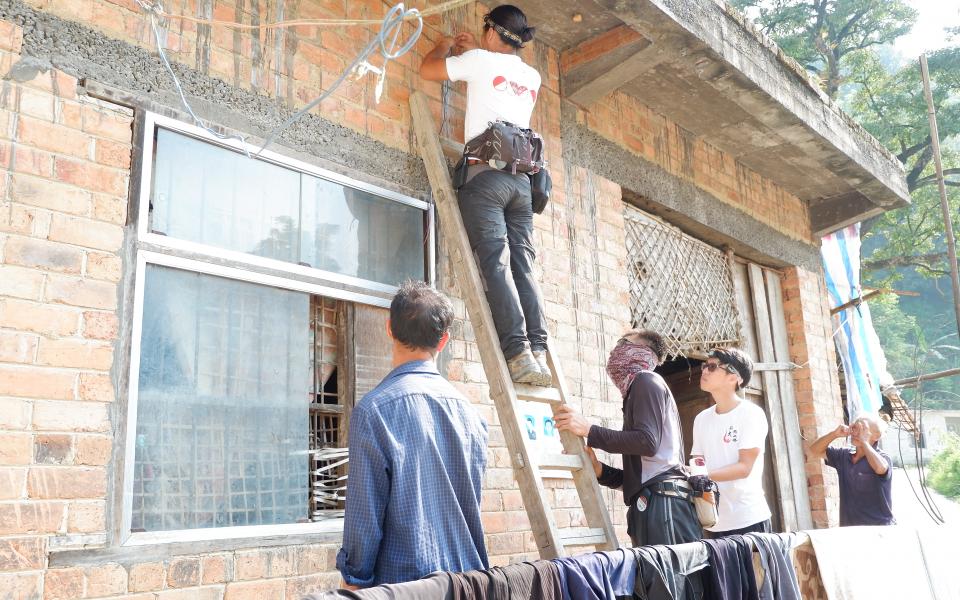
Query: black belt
(675, 488)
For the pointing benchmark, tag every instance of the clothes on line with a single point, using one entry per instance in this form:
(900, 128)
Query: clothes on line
(706, 570)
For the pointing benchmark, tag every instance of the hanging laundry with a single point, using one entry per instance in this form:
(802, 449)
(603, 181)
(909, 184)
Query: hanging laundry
(671, 572)
(731, 569)
(436, 586)
(780, 578)
(598, 576)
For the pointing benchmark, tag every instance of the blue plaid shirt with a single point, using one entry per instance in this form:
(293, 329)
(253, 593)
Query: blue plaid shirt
(418, 450)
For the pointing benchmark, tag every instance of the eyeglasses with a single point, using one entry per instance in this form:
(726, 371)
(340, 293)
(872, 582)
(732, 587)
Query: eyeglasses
(714, 366)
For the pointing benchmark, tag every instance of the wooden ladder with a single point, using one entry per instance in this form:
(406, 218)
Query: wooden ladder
(551, 541)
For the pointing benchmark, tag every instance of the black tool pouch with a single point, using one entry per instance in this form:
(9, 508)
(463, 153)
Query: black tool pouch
(459, 176)
(540, 187)
(507, 147)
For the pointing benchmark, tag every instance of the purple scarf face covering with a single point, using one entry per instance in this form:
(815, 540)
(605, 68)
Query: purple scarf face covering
(626, 360)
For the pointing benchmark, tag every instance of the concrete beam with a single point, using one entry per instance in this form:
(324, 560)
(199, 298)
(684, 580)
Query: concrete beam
(832, 214)
(692, 209)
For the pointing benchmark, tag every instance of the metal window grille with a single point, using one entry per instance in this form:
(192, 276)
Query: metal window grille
(680, 287)
(327, 458)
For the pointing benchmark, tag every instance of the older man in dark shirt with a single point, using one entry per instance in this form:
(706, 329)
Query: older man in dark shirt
(864, 471)
(654, 485)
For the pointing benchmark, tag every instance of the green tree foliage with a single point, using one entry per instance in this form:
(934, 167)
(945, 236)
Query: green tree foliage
(842, 43)
(826, 35)
(945, 469)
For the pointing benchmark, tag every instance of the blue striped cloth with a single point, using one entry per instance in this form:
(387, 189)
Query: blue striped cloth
(418, 451)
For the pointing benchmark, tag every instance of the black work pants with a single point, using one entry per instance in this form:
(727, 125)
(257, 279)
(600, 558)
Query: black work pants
(498, 216)
(761, 527)
(665, 520)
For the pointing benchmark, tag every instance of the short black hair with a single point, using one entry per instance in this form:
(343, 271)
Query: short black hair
(653, 340)
(419, 315)
(513, 20)
(737, 359)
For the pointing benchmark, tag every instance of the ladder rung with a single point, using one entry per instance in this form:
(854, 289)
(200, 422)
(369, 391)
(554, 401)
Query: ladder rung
(567, 462)
(536, 393)
(582, 536)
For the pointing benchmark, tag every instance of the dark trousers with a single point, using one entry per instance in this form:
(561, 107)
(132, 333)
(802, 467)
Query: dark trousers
(666, 520)
(498, 217)
(761, 527)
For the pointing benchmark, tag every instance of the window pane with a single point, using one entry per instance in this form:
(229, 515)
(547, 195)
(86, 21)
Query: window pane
(356, 233)
(224, 394)
(206, 194)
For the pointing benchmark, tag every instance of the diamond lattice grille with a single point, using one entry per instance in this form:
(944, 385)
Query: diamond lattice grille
(679, 287)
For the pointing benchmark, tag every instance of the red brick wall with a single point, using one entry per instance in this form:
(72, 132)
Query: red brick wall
(63, 191)
(817, 385)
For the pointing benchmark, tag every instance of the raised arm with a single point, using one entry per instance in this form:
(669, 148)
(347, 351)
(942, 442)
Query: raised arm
(434, 65)
(818, 449)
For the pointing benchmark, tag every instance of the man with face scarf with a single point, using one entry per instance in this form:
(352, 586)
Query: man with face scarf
(654, 484)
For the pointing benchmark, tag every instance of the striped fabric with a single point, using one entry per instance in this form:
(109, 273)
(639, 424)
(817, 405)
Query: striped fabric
(864, 364)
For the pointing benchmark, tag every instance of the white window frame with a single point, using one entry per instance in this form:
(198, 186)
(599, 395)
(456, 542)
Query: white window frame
(164, 251)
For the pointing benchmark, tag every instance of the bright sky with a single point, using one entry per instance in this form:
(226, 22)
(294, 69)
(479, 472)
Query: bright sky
(928, 34)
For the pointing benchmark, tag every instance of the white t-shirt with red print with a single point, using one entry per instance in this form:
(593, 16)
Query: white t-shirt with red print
(719, 439)
(499, 87)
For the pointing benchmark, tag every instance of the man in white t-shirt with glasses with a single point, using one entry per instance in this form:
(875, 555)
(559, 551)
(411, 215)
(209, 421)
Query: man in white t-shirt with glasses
(496, 204)
(731, 437)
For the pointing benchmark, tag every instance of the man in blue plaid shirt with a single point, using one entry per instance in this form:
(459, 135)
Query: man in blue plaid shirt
(418, 450)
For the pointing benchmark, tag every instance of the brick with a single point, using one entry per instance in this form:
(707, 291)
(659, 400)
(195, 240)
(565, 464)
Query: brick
(254, 590)
(22, 586)
(112, 209)
(96, 387)
(183, 572)
(88, 233)
(106, 125)
(42, 254)
(17, 347)
(91, 176)
(299, 587)
(35, 103)
(38, 318)
(64, 483)
(20, 282)
(314, 559)
(215, 569)
(35, 382)
(107, 267)
(106, 580)
(54, 449)
(86, 517)
(55, 138)
(69, 352)
(15, 414)
(85, 293)
(11, 37)
(23, 553)
(30, 517)
(13, 482)
(113, 154)
(146, 577)
(94, 450)
(76, 416)
(31, 161)
(250, 565)
(49, 194)
(15, 448)
(100, 325)
(63, 584)
(204, 593)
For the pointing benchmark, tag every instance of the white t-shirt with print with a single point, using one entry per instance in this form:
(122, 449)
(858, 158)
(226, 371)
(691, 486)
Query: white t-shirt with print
(719, 439)
(499, 86)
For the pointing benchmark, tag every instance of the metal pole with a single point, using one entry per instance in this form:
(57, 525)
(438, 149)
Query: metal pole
(944, 205)
(912, 381)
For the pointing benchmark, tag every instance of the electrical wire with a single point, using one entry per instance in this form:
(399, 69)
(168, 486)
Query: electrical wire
(386, 40)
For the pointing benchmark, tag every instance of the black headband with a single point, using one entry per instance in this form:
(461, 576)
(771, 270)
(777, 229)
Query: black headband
(489, 22)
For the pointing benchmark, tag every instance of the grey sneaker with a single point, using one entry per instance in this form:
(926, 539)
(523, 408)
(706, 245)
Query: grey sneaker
(546, 375)
(524, 369)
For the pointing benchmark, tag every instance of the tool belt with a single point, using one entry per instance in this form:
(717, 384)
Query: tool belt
(507, 147)
(674, 488)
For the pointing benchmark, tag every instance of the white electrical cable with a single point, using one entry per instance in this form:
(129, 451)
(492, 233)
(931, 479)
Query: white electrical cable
(386, 39)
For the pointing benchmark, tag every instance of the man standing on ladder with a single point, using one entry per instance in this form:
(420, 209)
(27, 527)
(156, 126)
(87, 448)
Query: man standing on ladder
(496, 204)
(654, 484)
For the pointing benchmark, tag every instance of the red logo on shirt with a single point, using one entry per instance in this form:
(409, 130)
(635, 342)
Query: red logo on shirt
(501, 84)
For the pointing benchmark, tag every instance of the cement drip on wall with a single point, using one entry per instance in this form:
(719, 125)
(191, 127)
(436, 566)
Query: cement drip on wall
(85, 53)
(697, 209)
